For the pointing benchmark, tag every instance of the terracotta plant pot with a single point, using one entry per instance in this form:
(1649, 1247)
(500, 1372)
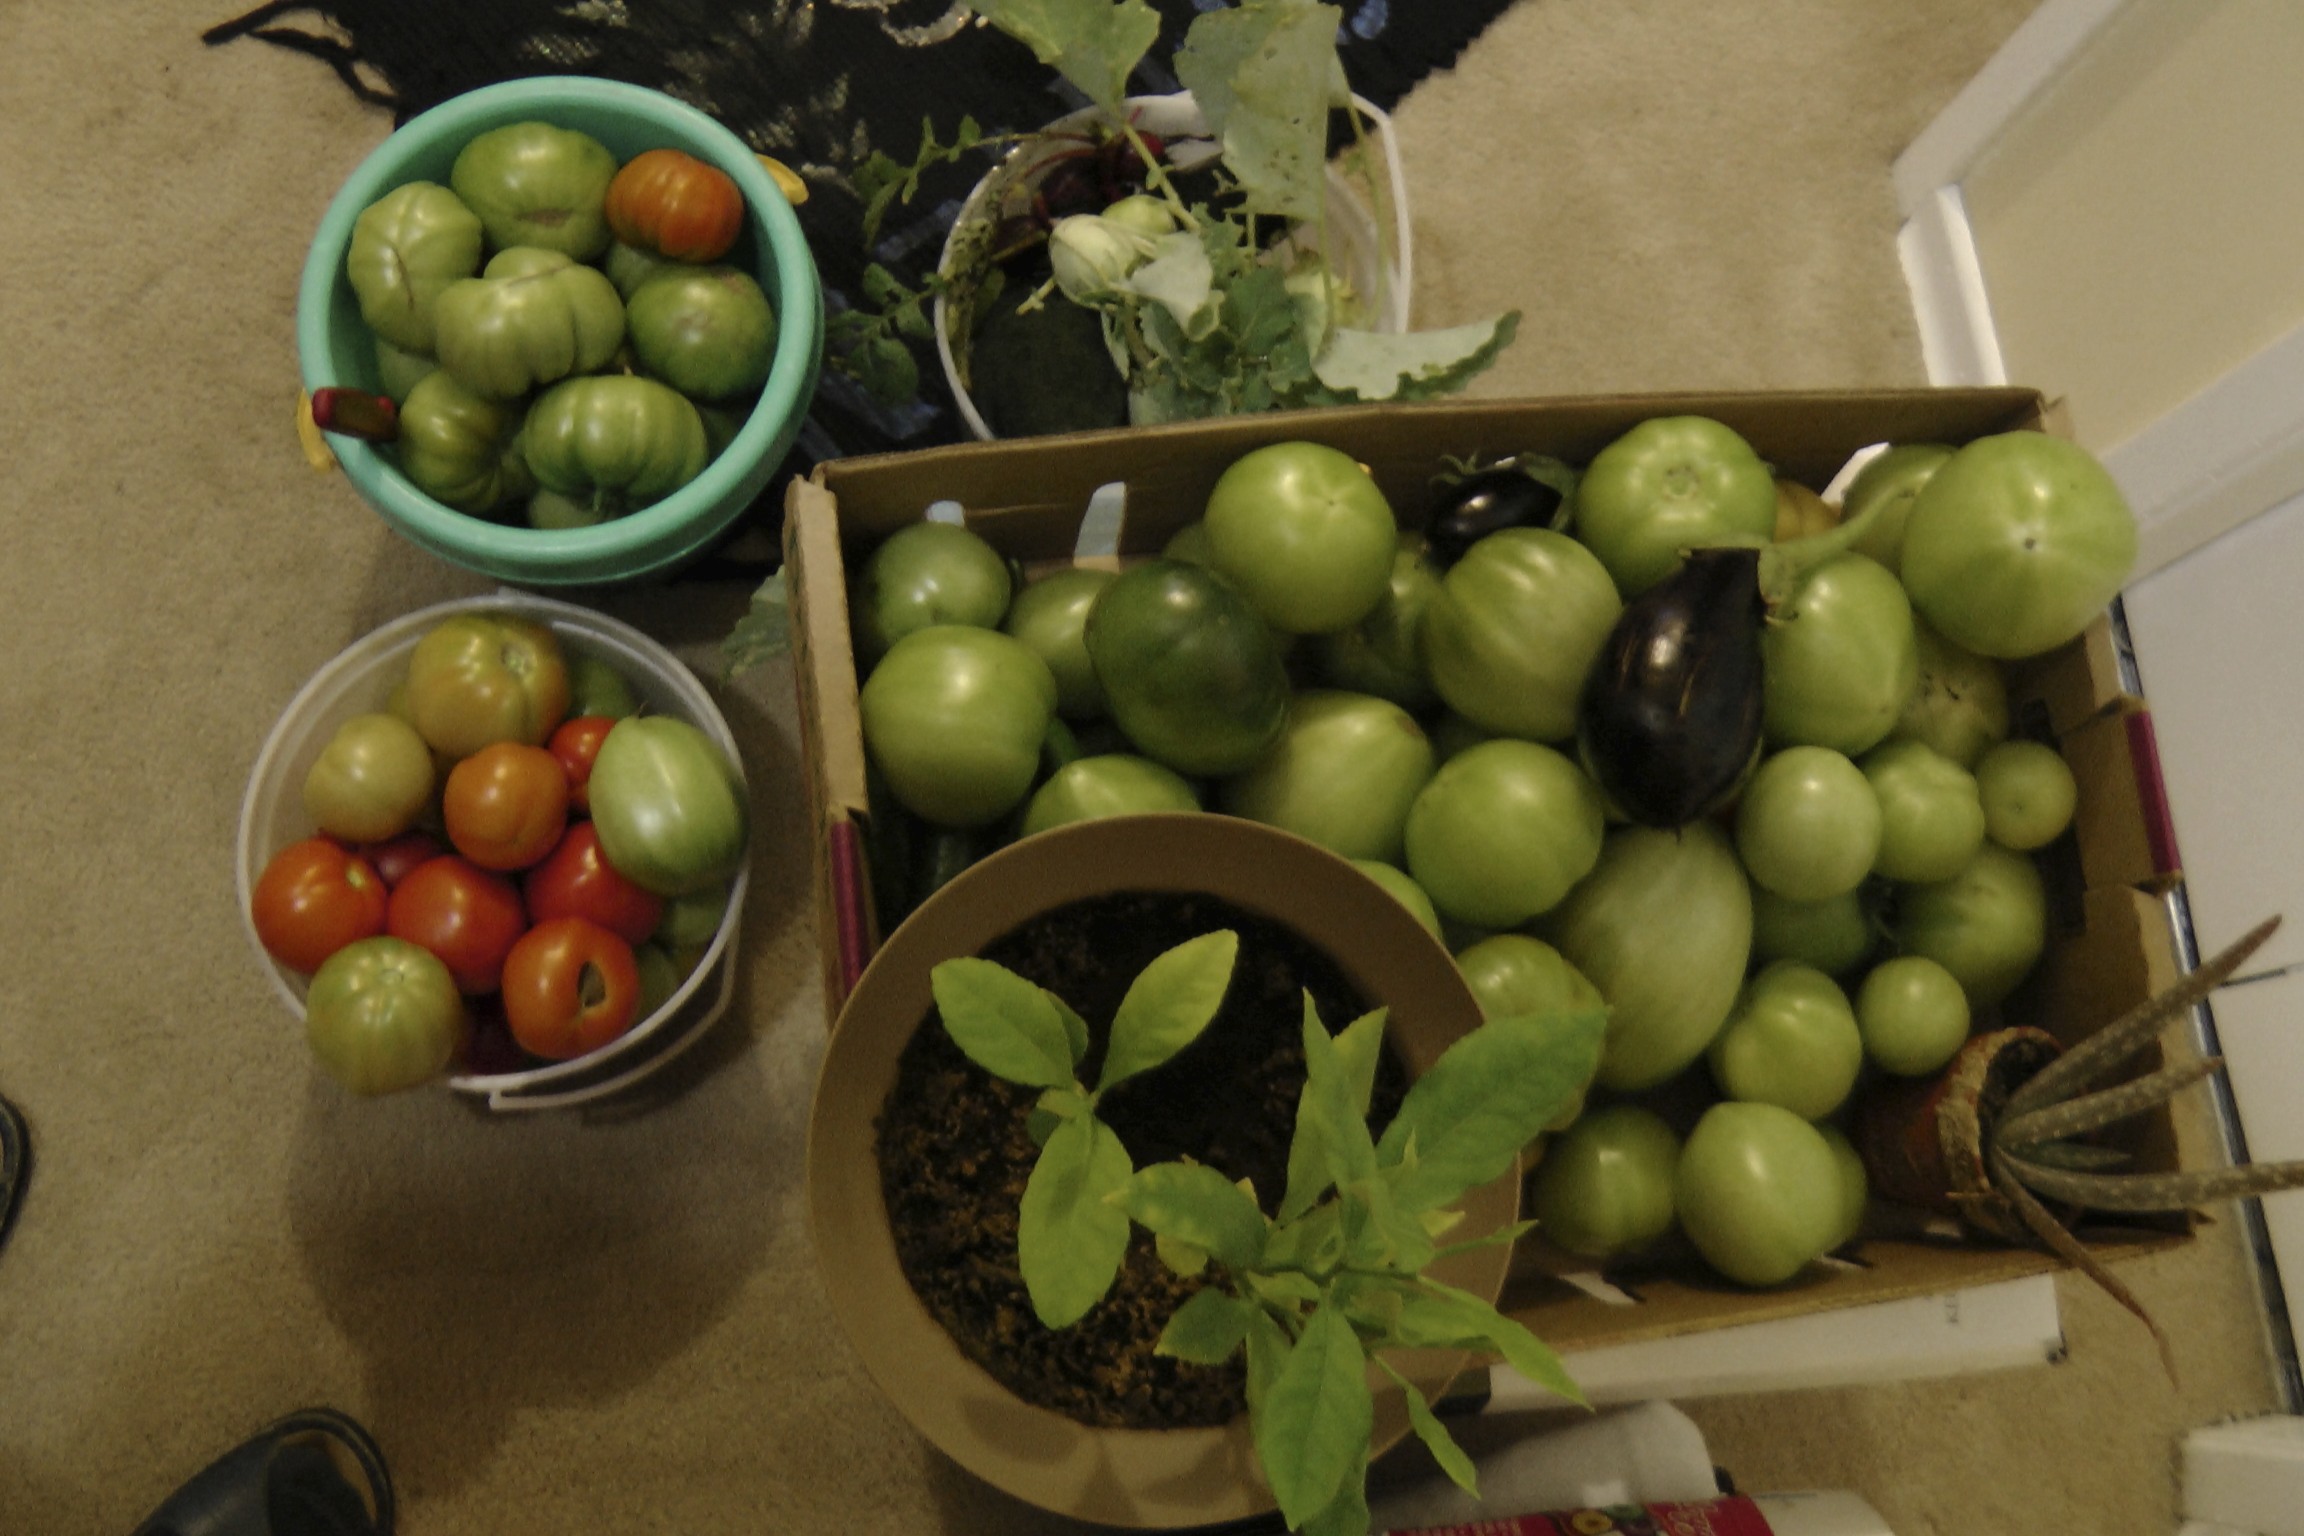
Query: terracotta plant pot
(1921, 1140)
(1148, 1479)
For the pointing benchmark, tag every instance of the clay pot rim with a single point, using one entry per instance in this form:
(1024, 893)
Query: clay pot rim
(1147, 1479)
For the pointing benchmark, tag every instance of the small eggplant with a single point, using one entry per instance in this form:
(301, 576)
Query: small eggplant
(1523, 492)
(1669, 719)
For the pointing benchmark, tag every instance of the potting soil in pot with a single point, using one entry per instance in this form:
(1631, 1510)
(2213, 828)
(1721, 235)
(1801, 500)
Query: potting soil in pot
(954, 1153)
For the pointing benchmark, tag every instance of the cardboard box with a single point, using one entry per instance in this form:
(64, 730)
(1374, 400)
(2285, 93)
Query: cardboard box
(2110, 943)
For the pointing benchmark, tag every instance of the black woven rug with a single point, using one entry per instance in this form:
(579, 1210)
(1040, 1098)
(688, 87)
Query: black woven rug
(818, 84)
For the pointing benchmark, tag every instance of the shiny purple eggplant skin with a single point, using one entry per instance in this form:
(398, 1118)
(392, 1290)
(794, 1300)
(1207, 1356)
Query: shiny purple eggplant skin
(1669, 719)
(1481, 503)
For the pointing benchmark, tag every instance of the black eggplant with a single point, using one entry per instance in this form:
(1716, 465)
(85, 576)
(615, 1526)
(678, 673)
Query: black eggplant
(1669, 719)
(1524, 492)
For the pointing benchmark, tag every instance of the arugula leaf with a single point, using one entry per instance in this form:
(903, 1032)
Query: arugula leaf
(1095, 44)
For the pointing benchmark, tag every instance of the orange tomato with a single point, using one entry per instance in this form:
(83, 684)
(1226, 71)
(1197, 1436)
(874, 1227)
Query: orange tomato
(312, 899)
(670, 202)
(570, 987)
(506, 805)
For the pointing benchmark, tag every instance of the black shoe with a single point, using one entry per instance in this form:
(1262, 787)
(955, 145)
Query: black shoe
(293, 1478)
(15, 1165)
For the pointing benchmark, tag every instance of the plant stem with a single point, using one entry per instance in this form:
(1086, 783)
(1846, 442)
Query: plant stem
(1156, 177)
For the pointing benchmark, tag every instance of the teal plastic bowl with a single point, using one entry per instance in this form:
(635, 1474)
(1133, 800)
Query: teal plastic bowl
(335, 347)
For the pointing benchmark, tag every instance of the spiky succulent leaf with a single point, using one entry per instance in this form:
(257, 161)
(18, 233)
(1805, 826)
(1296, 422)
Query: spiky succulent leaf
(2093, 1111)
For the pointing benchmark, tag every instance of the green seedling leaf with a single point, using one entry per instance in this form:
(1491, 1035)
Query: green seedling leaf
(1285, 1289)
(1003, 1023)
(1263, 75)
(1487, 1096)
(1075, 1028)
(1066, 1101)
(764, 633)
(1434, 1434)
(1070, 1236)
(1502, 1237)
(1352, 1054)
(1197, 1204)
(1268, 1349)
(1347, 1513)
(1318, 1415)
(1209, 1328)
(1095, 44)
(1389, 1237)
(1168, 1005)
(1522, 1350)
(1372, 1302)
(1181, 1258)
(1313, 1241)
(1410, 365)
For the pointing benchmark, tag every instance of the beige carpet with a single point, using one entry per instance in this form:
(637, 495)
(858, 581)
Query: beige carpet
(612, 1323)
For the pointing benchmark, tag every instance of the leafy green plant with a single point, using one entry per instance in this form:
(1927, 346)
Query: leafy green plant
(1336, 1274)
(1202, 314)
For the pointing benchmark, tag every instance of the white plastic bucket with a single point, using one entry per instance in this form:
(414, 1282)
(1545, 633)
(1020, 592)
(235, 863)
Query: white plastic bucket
(358, 681)
(1176, 119)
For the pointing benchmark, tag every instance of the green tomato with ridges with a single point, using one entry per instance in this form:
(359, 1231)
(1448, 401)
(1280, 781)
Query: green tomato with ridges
(534, 183)
(616, 443)
(407, 247)
(531, 317)
(461, 448)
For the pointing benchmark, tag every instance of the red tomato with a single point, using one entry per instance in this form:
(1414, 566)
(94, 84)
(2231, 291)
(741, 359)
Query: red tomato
(314, 898)
(670, 202)
(394, 859)
(570, 987)
(467, 916)
(506, 805)
(576, 880)
(576, 744)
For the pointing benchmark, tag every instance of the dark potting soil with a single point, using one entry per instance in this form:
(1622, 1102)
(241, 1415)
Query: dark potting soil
(954, 1153)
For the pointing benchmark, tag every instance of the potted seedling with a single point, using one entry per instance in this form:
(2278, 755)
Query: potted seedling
(1157, 259)
(2005, 1137)
(1201, 966)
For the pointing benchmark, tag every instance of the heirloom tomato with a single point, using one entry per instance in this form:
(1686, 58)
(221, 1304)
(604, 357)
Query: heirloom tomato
(475, 678)
(468, 916)
(706, 331)
(382, 1015)
(570, 987)
(313, 898)
(669, 202)
(529, 318)
(536, 184)
(406, 247)
(506, 805)
(613, 443)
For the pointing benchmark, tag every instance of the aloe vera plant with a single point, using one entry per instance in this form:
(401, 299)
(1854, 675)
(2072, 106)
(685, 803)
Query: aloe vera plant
(2001, 1138)
(1336, 1273)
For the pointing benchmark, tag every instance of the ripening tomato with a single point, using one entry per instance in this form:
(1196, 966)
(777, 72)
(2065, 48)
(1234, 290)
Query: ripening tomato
(570, 987)
(466, 915)
(670, 202)
(475, 678)
(312, 899)
(577, 744)
(576, 880)
(506, 805)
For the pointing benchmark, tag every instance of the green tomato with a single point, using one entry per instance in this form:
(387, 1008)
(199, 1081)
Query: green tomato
(1759, 1192)
(1668, 485)
(1051, 616)
(1453, 734)
(383, 1015)
(926, 573)
(1791, 1040)
(2029, 794)
(530, 317)
(1190, 672)
(1304, 533)
(1892, 482)
(371, 781)
(954, 717)
(615, 443)
(1343, 772)
(1931, 816)
(1502, 832)
(398, 369)
(1833, 935)
(406, 248)
(628, 266)
(1512, 973)
(668, 806)
(1987, 925)
(1808, 824)
(1838, 658)
(535, 184)
(596, 688)
(549, 510)
(2017, 543)
(1912, 1015)
(1663, 927)
(1383, 654)
(461, 448)
(1855, 1186)
(706, 331)
(691, 918)
(1188, 544)
(1112, 784)
(1960, 707)
(1402, 888)
(1515, 629)
(1604, 1189)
